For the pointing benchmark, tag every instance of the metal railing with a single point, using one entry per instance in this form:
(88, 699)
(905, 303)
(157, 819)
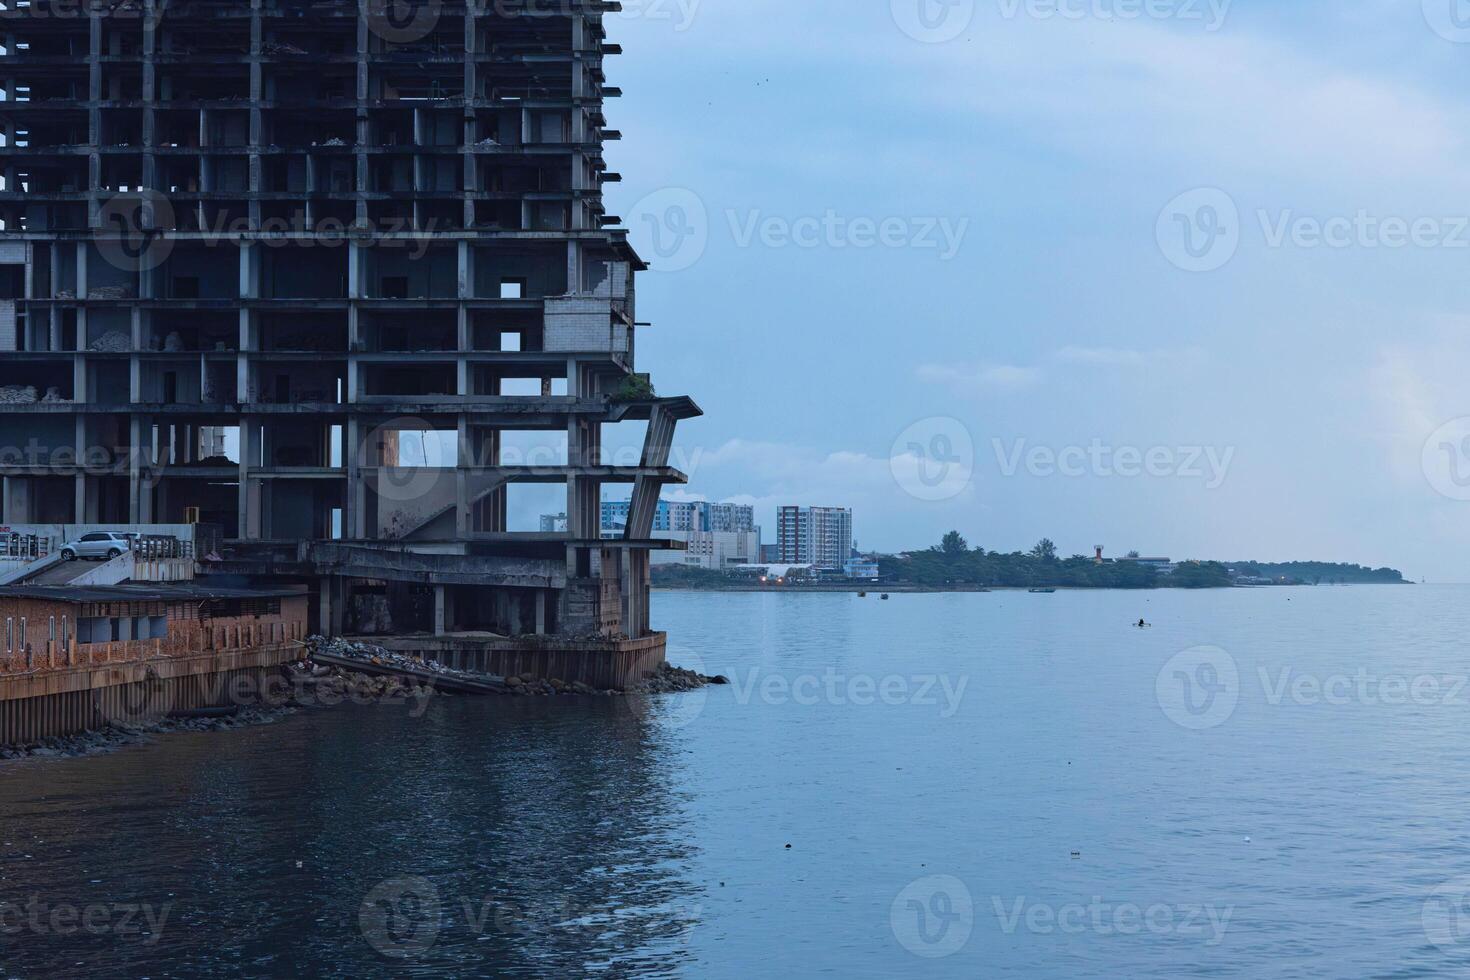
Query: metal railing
(15, 546)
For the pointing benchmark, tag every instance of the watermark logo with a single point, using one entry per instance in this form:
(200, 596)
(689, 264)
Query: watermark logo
(1199, 688)
(933, 21)
(130, 233)
(671, 228)
(1446, 459)
(400, 917)
(1199, 231)
(933, 917)
(1446, 914)
(403, 21)
(407, 483)
(933, 459)
(668, 710)
(1450, 19)
(145, 702)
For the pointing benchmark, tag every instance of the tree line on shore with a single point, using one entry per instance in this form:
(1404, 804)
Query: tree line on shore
(953, 562)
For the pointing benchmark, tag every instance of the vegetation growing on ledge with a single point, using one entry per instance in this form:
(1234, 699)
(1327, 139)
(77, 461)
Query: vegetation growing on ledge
(635, 388)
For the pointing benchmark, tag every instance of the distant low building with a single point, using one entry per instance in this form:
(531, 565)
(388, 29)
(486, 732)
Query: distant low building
(553, 523)
(683, 515)
(718, 536)
(1162, 566)
(861, 568)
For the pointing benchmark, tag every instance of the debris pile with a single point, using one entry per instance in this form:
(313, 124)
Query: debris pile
(313, 683)
(110, 292)
(669, 679)
(18, 395)
(113, 342)
(379, 657)
(53, 396)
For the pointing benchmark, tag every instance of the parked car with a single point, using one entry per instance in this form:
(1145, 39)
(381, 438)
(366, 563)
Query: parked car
(97, 544)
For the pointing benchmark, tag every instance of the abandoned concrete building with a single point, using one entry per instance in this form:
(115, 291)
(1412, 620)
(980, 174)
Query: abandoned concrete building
(253, 251)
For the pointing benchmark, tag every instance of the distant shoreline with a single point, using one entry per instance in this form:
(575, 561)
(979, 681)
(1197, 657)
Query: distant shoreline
(935, 589)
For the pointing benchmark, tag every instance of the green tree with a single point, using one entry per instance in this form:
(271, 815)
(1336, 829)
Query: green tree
(1045, 550)
(954, 544)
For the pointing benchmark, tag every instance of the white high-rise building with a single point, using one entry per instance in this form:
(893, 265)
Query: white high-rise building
(820, 536)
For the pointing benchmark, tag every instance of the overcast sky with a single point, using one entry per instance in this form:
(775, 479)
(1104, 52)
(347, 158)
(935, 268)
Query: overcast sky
(878, 226)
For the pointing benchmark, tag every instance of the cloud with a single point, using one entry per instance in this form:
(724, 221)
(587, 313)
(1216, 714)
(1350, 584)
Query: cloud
(982, 378)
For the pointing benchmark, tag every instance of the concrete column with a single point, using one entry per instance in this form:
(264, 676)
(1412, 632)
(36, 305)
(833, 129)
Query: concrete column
(79, 443)
(17, 499)
(247, 462)
(540, 612)
(354, 508)
(462, 518)
(441, 610)
(141, 451)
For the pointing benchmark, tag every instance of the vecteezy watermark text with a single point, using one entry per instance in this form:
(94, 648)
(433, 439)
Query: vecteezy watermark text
(142, 922)
(673, 227)
(831, 687)
(402, 917)
(835, 231)
(1200, 688)
(1206, 922)
(1211, 14)
(1201, 230)
(1098, 459)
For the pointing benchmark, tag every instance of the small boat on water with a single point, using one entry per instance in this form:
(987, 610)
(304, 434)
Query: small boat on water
(884, 596)
(1042, 591)
(862, 595)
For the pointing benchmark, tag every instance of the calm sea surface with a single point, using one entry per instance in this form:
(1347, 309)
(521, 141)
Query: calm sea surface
(1266, 783)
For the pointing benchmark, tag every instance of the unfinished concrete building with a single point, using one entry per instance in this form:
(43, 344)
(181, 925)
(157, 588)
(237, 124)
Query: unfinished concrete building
(254, 251)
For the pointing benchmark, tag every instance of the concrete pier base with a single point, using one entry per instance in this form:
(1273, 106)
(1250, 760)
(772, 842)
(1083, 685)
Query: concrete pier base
(606, 664)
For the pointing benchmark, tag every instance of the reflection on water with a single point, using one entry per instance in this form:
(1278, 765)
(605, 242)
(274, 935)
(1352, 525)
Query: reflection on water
(514, 834)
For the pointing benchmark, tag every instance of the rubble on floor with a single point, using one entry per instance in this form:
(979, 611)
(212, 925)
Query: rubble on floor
(111, 292)
(379, 657)
(113, 342)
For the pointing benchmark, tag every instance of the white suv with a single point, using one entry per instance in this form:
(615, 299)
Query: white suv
(97, 544)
